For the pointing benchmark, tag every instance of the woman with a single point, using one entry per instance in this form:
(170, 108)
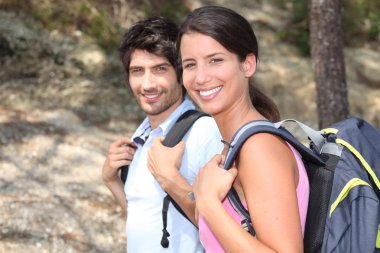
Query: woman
(219, 54)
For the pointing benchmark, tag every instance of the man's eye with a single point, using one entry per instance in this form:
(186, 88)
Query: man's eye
(135, 70)
(160, 69)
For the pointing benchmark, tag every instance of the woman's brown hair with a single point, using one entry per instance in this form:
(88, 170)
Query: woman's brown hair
(234, 33)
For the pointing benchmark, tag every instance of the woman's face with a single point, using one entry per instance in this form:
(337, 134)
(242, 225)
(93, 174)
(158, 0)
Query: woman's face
(212, 75)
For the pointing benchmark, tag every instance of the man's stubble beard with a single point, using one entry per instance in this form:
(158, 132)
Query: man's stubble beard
(161, 106)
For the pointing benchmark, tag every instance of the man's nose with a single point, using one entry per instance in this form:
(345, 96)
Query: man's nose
(149, 81)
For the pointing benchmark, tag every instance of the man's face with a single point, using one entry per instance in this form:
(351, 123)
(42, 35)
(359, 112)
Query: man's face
(154, 83)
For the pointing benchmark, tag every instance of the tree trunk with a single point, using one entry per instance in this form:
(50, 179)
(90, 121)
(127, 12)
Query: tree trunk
(328, 60)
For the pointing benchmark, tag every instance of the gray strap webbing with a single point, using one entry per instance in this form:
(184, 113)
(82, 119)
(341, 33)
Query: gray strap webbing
(314, 135)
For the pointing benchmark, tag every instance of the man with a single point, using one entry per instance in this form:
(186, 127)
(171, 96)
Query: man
(149, 56)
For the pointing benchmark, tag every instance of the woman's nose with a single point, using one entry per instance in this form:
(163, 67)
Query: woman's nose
(202, 75)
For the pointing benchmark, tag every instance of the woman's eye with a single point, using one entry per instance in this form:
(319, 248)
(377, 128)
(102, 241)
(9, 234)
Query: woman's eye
(216, 60)
(188, 65)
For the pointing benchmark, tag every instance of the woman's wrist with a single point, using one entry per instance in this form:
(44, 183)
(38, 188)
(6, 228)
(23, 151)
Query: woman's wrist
(207, 207)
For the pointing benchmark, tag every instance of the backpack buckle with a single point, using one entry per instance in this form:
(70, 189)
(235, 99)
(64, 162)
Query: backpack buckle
(247, 225)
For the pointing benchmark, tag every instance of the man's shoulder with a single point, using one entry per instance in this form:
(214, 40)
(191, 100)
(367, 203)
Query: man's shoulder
(204, 130)
(203, 140)
(205, 124)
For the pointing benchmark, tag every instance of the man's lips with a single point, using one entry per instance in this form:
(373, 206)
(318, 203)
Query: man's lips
(151, 97)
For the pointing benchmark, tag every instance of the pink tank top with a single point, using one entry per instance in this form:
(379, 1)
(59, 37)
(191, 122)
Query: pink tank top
(211, 243)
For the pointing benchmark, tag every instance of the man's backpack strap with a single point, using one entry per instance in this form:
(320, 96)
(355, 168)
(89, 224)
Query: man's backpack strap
(124, 173)
(181, 126)
(174, 136)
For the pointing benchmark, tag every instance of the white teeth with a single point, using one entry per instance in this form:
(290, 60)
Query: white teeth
(205, 93)
(152, 95)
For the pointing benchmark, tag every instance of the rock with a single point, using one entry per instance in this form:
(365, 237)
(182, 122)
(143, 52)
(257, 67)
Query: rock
(363, 65)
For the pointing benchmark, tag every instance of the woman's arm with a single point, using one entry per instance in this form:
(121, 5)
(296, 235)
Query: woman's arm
(267, 181)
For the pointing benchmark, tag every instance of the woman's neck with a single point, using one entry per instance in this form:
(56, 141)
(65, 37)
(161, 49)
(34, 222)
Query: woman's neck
(231, 120)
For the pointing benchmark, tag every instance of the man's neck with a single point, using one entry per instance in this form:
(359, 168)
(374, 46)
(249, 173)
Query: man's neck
(156, 120)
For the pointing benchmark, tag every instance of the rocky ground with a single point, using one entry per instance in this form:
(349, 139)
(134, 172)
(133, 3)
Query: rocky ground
(63, 100)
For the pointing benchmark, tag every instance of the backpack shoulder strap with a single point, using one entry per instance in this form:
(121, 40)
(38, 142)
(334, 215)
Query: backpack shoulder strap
(263, 126)
(240, 137)
(181, 126)
(175, 134)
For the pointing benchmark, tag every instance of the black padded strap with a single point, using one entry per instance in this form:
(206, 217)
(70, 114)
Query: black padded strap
(175, 135)
(246, 223)
(124, 173)
(165, 233)
(242, 135)
(181, 126)
(263, 126)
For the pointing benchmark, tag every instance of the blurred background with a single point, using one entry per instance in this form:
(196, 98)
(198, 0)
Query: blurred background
(63, 99)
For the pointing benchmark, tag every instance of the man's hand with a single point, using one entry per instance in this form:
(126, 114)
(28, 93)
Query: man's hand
(120, 153)
(164, 162)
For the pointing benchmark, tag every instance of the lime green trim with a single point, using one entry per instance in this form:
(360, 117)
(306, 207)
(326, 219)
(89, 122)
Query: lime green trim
(330, 130)
(345, 191)
(378, 238)
(361, 159)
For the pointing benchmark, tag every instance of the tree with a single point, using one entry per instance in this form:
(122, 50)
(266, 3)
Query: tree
(328, 60)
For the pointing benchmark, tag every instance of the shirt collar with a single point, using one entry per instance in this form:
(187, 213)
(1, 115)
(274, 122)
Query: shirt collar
(144, 129)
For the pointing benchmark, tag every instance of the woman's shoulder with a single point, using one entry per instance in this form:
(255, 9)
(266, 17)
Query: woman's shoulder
(266, 148)
(266, 141)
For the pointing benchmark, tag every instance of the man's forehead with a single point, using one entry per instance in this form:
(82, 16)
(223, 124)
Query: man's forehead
(143, 57)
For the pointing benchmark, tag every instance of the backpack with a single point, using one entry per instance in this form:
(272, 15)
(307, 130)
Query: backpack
(343, 167)
(174, 136)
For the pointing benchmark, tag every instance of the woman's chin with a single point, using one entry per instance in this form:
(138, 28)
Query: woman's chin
(209, 110)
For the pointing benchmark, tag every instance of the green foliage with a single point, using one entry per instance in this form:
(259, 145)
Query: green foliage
(172, 9)
(71, 15)
(361, 23)
(94, 23)
(361, 20)
(297, 31)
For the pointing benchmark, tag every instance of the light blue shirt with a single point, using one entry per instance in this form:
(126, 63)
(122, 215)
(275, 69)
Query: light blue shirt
(145, 195)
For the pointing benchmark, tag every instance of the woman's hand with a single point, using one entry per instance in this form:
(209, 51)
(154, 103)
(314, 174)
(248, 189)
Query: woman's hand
(120, 153)
(213, 182)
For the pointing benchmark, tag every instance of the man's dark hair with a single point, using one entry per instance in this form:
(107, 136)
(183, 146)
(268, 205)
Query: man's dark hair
(157, 36)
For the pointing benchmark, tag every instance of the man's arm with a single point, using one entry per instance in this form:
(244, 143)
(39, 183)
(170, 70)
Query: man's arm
(120, 153)
(164, 164)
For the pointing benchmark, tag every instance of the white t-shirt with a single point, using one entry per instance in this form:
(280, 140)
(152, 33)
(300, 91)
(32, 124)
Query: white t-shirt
(145, 195)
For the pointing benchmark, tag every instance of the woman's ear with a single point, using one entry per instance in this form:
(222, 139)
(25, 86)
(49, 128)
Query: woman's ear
(249, 65)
